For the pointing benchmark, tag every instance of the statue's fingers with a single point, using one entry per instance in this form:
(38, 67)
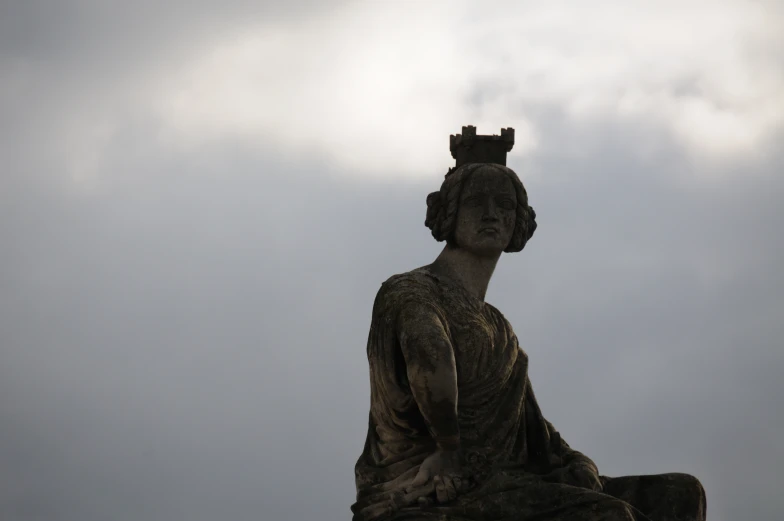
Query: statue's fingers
(441, 493)
(417, 494)
(451, 489)
(424, 501)
(419, 480)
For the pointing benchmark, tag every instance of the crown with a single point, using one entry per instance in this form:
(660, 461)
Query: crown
(470, 148)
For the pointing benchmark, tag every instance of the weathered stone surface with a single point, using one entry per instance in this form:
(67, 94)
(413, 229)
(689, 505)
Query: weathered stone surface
(455, 431)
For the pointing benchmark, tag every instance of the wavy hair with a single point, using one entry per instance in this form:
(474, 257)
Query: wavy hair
(442, 206)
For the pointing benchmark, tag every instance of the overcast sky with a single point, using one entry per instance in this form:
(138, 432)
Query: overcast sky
(199, 201)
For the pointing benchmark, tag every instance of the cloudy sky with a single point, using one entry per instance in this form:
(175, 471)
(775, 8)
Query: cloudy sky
(199, 201)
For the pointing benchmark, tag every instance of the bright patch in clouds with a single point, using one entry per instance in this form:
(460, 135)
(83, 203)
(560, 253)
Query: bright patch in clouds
(373, 87)
(378, 86)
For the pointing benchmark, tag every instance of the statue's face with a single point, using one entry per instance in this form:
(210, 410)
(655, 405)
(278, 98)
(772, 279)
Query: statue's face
(487, 212)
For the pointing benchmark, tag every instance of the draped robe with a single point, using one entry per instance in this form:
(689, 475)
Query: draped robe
(506, 443)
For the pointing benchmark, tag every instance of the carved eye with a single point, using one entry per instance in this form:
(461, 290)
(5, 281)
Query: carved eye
(472, 201)
(507, 204)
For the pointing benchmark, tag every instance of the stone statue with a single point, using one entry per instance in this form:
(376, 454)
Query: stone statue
(455, 431)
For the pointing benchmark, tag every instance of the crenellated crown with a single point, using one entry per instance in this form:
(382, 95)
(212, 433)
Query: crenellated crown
(470, 148)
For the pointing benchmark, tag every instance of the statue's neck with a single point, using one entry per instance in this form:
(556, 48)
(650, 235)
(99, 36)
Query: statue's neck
(471, 271)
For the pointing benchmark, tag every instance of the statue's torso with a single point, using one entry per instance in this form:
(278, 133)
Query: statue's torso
(491, 367)
(506, 441)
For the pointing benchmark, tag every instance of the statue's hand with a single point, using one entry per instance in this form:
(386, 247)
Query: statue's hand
(442, 472)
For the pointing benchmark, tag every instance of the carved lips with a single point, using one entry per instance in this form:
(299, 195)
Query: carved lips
(492, 229)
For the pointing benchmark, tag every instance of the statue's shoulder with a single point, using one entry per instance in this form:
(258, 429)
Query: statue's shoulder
(494, 311)
(497, 312)
(417, 278)
(418, 284)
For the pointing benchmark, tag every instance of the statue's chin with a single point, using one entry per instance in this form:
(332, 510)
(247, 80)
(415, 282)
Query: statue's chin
(484, 250)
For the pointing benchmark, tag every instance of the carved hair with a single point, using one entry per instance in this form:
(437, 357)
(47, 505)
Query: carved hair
(442, 206)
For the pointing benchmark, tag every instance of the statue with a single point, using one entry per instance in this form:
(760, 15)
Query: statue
(455, 432)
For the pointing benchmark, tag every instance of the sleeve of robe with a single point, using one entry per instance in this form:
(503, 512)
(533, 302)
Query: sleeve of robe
(431, 370)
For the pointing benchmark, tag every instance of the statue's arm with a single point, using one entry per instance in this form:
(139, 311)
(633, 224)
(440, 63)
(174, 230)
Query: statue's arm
(431, 371)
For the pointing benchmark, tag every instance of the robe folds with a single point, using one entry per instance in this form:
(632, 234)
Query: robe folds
(506, 443)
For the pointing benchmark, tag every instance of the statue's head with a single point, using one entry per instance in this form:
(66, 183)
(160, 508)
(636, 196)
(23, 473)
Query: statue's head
(482, 207)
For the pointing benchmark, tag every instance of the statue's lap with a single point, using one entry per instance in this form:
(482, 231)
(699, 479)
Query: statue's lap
(660, 497)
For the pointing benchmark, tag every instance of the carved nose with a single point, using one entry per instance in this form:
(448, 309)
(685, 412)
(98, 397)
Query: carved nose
(489, 213)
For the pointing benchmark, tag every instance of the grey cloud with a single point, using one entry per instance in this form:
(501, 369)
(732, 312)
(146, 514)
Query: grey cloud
(88, 31)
